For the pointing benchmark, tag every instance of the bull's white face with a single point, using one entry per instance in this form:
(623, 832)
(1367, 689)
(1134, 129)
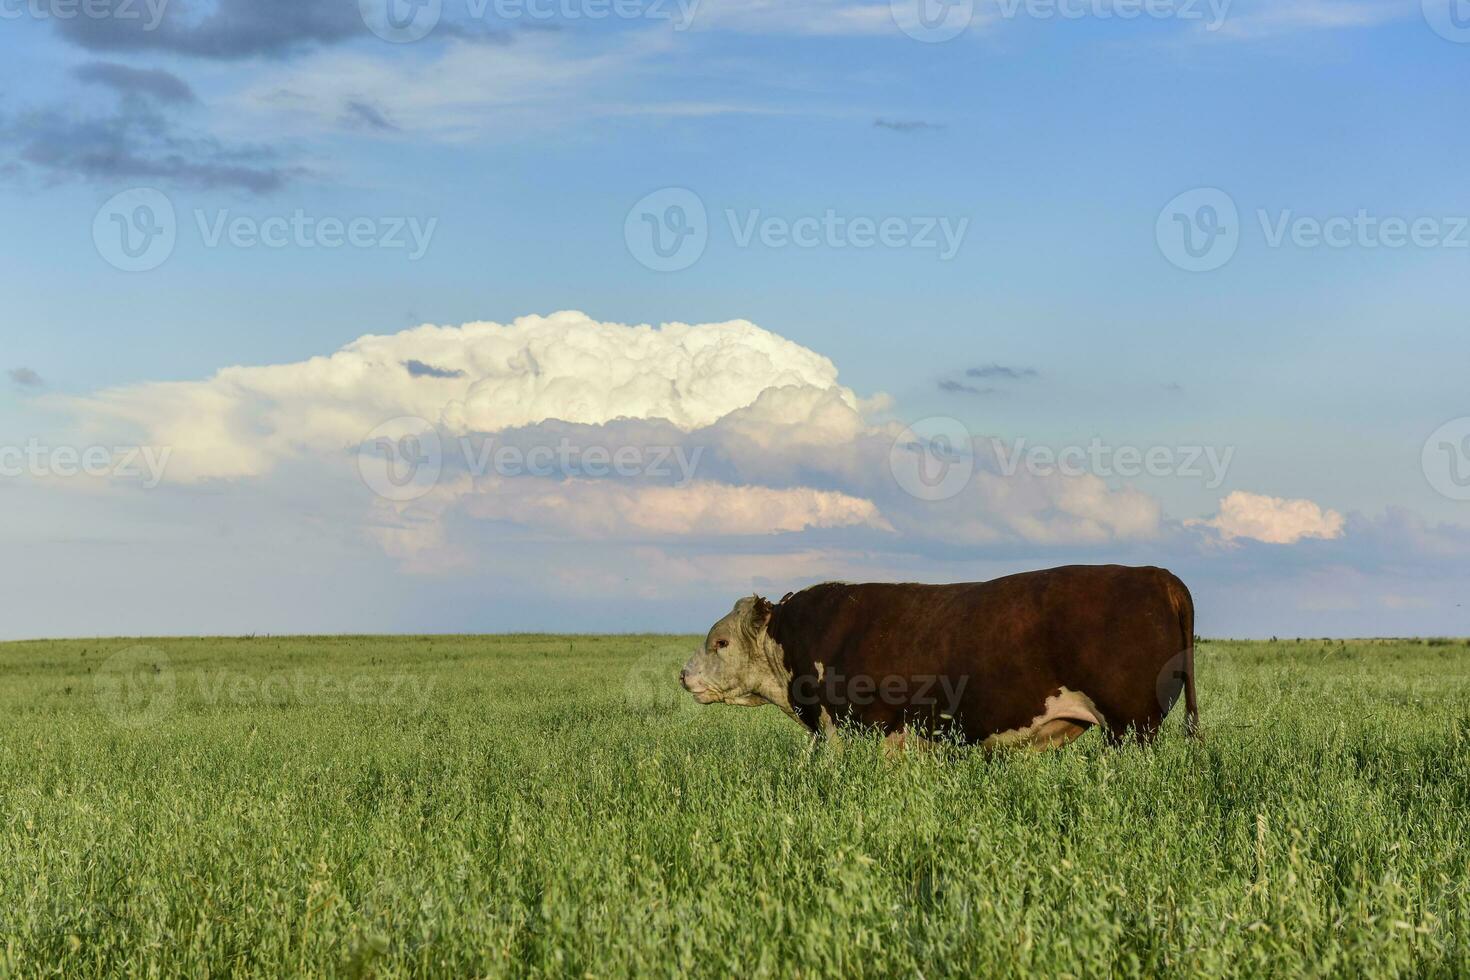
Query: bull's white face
(739, 663)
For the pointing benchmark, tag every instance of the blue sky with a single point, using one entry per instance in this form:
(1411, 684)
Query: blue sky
(1058, 144)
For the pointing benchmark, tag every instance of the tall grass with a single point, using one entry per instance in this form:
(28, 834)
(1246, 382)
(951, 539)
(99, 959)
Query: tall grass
(535, 805)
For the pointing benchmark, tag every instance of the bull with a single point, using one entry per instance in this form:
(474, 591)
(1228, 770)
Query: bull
(1032, 660)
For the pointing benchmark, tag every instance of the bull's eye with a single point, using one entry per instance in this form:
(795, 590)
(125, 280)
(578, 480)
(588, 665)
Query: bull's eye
(721, 644)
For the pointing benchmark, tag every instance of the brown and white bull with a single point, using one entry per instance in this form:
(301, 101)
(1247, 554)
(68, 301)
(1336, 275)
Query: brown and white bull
(1033, 659)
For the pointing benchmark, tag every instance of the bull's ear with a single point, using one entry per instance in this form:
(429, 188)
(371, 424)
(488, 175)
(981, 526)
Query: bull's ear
(760, 612)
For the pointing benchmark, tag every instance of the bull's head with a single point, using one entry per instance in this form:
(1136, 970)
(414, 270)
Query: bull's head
(739, 663)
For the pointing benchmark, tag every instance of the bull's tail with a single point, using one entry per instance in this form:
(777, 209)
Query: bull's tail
(1184, 607)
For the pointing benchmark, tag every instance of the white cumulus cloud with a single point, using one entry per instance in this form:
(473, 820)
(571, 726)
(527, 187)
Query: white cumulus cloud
(1274, 520)
(479, 377)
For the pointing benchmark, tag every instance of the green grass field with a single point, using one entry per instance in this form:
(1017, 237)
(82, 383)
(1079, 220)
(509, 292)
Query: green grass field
(535, 805)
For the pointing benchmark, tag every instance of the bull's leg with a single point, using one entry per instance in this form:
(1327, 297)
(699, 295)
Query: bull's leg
(903, 740)
(820, 744)
(812, 741)
(827, 736)
(1141, 732)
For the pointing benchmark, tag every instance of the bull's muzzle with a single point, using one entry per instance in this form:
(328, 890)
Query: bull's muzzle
(691, 682)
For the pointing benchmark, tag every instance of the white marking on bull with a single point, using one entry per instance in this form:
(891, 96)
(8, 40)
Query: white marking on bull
(1065, 706)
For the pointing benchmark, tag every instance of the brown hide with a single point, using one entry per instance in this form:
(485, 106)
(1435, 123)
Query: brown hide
(979, 659)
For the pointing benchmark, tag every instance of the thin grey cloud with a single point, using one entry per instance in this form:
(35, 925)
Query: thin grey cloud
(960, 388)
(24, 377)
(366, 114)
(225, 30)
(1003, 373)
(153, 83)
(228, 30)
(137, 141)
(419, 369)
(908, 125)
(483, 34)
